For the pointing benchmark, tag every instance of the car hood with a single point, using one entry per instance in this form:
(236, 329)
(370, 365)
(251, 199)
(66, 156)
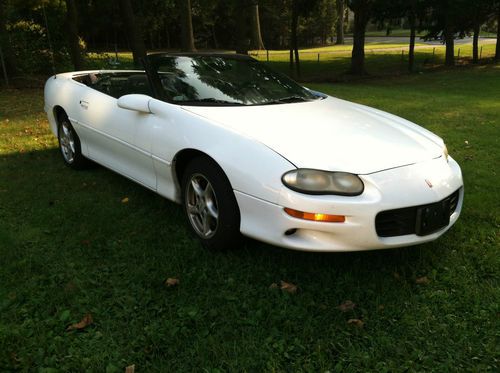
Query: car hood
(330, 134)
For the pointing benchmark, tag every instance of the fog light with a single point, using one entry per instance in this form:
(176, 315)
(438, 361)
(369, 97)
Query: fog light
(315, 216)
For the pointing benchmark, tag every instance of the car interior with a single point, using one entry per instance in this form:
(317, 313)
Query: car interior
(117, 84)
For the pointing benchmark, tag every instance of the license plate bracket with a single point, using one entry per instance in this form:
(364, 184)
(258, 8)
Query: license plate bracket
(432, 217)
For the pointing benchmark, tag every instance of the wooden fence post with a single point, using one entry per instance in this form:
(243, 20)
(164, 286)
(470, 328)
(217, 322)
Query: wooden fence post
(267, 55)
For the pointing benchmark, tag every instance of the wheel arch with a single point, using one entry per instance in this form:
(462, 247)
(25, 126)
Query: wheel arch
(182, 159)
(58, 112)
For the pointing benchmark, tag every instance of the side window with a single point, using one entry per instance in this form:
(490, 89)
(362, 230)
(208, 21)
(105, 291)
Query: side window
(138, 83)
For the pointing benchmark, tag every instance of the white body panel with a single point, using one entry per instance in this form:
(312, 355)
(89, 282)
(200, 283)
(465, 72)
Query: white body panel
(256, 145)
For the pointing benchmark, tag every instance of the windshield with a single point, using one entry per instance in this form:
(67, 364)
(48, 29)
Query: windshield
(222, 80)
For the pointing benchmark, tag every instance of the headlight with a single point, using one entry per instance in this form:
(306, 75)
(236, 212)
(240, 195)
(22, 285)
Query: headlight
(310, 181)
(445, 152)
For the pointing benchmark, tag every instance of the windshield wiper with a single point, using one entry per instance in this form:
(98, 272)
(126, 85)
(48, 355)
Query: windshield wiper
(210, 100)
(286, 100)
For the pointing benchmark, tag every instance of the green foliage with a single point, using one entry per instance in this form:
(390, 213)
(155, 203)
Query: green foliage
(69, 246)
(30, 45)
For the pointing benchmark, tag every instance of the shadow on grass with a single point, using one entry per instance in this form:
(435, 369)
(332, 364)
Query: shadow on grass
(85, 209)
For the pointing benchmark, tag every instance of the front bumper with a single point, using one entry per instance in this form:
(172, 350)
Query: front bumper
(386, 190)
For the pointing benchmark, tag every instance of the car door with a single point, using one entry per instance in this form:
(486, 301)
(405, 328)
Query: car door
(119, 139)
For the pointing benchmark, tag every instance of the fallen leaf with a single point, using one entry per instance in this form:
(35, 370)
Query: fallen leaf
(86, 321)
(288, 287)
(422, 280)
(356, 322)
(348, 305)
(125, 200)
(130, 369)
(274, 285)
(171, 282)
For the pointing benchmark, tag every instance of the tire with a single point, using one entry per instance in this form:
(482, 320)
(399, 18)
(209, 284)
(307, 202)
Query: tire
(69, 144)
(210, 206)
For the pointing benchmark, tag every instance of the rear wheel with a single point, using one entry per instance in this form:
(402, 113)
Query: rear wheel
(210, 205)
(69, 144)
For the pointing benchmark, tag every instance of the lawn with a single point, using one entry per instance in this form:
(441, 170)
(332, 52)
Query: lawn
(70, 245)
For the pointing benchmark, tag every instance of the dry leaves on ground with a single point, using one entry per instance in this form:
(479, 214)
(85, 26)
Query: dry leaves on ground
(422, 280)
(348, 305)
(288, 287)
(171, 282)
(125, 200)
(356, 322)
(86, 321)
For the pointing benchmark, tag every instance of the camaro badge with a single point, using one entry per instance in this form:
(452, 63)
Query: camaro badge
(428, 183)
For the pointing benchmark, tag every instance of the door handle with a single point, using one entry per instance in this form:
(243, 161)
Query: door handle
(84, 104)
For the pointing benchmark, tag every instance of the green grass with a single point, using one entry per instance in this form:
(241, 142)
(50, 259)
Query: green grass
(69, 246)
(406, 33)
(380, 60)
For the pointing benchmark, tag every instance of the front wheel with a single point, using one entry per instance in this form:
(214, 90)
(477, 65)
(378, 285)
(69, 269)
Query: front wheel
(210, 205)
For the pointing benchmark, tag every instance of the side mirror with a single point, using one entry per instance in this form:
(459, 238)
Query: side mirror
(135, 102)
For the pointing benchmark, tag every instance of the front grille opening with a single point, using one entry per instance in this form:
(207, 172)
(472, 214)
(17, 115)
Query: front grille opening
(400, 222)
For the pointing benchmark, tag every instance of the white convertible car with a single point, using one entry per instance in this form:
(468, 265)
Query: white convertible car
(248, 151)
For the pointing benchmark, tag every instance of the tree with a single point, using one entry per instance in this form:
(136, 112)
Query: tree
(73, 38)
(8, 55)
(134, 35)
(299, 8)
(187, 34)
(448, 19)
(495, 15)
(362, 13)
(340, 21)
(480, 11)
(257, 42)
(413, 10)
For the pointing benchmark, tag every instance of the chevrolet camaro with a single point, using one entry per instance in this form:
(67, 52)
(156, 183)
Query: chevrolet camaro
(248, 151)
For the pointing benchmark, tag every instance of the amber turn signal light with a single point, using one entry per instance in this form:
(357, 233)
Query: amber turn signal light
(314, 216)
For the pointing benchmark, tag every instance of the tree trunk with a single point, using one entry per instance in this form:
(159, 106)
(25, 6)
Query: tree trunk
(450, 46)
(411, 52)
(134, 34)
(74, 42)
(8, 55)
(340, 22)
(294, 44)
(187, 36)
(475, 42)
(257, 42)
(358, 47)
(497, 50)
(242, 31)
